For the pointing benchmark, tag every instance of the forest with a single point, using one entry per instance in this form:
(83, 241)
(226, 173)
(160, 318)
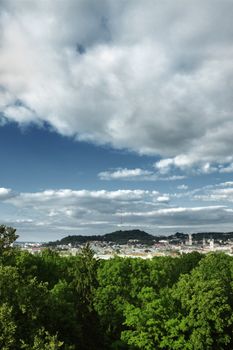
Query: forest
(49, 302)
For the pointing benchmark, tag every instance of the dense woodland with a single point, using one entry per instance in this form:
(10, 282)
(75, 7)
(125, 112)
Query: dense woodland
(49, 302)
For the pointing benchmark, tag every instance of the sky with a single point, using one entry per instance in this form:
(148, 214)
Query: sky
(116, 115)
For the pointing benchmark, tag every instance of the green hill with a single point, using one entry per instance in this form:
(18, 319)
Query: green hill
(124, 237)
(119, 237)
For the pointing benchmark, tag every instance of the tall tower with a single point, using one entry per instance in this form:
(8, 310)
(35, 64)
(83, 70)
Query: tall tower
(211, 244)
(190, 239)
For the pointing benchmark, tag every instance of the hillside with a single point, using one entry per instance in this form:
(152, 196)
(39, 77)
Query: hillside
(123, 237)
(120, 237)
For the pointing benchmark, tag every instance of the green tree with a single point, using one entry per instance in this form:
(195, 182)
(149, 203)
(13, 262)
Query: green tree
(43, 341)
(28, 300)
(86, 277)
(85, 282)
(7, 328)
(120, 282)
(186, 307)
(145, 323)
(7, 237)
(202, 319)
(63, 315)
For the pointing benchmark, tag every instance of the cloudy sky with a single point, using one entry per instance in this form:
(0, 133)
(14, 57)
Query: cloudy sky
(116, 114)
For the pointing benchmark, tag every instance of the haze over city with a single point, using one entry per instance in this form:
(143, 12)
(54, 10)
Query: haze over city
(116, 115)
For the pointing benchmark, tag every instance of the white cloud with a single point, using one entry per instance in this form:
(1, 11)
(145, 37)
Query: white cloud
(181, 162)
(217, 195)
(172, 178)
(192, 164)
(55, 213)
(19, 114)
(124, 174)
(226, 169)
(164, 165)
(152, 79)
(182, 187)
(6, 193)
(179, 216)
(137, 174)
(163, 199)
(82, 210)
(225, 184)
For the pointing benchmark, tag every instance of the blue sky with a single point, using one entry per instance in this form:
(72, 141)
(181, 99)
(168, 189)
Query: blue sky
(116, 112)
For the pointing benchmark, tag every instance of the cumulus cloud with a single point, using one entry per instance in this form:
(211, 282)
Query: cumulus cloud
(155, 79)
(125, 174)
(55, 213)
(83, 204)
(163, 199)
(137, 174)
(6, 193)
(193, 165)
(188, 164)
(220, 193)
(199, 217)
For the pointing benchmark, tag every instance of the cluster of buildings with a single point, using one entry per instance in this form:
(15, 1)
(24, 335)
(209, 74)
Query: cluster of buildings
(134, 249)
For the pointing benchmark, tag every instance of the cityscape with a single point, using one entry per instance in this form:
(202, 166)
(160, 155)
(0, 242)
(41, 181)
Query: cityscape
(173, 245)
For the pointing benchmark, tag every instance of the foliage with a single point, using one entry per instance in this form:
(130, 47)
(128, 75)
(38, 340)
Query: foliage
(7, 237)
(7, 327)
(43, 341)
(51, 302)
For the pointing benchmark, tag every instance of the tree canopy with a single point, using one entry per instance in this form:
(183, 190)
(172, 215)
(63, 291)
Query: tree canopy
(52, 302)
(7, 237)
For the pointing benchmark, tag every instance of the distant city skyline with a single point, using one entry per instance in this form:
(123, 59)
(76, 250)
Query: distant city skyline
(116, 115)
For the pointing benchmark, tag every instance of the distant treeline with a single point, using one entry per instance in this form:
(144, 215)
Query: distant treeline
(123, 237)
(120, 237)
